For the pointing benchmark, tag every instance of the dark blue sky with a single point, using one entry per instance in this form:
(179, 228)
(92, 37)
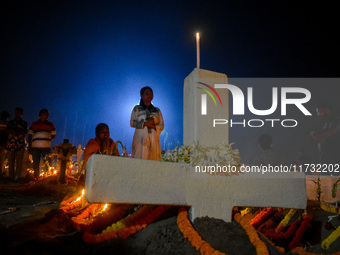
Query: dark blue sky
(87, 60)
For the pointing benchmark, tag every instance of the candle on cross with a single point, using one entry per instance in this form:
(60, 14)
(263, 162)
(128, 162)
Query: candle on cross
(198, 49)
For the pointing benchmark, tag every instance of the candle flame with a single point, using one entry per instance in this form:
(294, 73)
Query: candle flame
(78, 199)
(105, 206)
(83, 192)
(197, 35)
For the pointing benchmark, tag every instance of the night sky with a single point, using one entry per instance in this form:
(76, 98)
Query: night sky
(87, 60)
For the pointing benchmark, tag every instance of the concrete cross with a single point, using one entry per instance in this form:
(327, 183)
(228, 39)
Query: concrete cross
(136, 181)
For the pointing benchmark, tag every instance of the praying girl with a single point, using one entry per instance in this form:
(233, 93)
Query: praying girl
(148, 123)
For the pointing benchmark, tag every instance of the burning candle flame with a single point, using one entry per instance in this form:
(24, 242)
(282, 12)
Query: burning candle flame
(83, 192)
(197, 35)
(105, 206)
(78, 199)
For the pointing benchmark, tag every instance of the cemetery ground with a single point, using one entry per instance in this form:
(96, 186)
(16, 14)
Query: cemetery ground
(32, 223)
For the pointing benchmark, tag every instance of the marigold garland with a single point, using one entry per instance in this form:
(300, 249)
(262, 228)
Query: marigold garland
(285, 221)
(69, 200)
(90, 235)
(262, 217)
(84, 219)
(68, 208)
(330, 239)
(192, 235)
(254, 238)
(90, 210)
(130, 219)
(134, 226)
(331, 209)
(301, 230)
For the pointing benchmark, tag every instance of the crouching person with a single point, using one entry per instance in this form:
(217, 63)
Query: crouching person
(102, 144)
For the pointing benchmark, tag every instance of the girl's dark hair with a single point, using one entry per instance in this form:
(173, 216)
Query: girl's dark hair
(100, 126)
(143, 90)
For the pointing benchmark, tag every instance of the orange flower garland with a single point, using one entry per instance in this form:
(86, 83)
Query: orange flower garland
(191, 234)
(90, 210)
(262, 217)
(101, 222)
(83, 220)
(68, 205)
(68, 208)
(130, 219)
(69, 200)
(133, 226)
(259, 245)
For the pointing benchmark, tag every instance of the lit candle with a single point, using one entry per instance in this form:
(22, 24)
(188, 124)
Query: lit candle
(198, 49)
(82, 198)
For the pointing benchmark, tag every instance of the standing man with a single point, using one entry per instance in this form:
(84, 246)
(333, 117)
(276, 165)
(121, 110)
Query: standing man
(3, 139)
(328, 138)
(17, 129)
(40, 135)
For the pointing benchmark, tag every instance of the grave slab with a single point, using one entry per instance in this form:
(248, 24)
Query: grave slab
(112, 179)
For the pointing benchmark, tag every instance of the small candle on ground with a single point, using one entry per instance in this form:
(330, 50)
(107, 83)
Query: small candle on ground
(83, 198)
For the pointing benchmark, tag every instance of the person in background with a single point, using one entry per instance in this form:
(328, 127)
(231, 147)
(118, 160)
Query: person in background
(328, 138)
(17, 129)
(101, 144)
(147, 120)
(3, 139)
(41, 132)
(267, 156)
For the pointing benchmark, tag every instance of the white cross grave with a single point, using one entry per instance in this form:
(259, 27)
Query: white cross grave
(136, 181)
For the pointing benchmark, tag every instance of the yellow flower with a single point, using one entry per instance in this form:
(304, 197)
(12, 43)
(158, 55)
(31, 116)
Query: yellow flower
(287, 218)
(330, 239)
(245, 211)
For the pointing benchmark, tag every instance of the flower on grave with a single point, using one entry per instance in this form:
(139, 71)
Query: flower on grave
(195, 154)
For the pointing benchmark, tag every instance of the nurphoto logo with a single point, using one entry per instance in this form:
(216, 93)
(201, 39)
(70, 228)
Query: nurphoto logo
(238, 107)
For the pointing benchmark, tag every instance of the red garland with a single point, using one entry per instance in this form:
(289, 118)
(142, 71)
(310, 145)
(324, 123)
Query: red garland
(290, 231)
(262, 217)
(301, 230)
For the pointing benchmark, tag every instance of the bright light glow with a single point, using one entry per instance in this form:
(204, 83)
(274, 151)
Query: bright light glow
(78, 199)
(105, 206)
(83, 192)
(197, 35)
